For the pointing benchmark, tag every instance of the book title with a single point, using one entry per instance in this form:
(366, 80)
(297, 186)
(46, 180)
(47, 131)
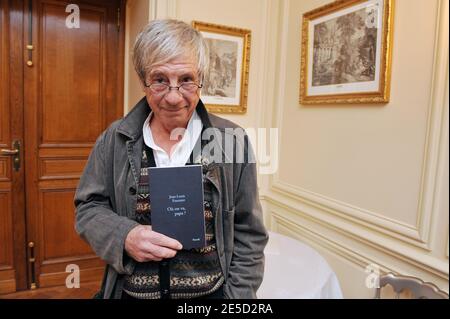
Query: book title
(178, 210)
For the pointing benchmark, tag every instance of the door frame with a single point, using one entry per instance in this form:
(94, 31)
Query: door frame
(15, 69)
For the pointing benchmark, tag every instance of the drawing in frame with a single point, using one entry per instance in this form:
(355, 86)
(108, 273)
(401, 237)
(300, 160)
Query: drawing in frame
(346, 52)
(225, 85)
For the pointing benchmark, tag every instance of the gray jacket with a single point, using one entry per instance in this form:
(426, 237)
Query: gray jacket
(105, 200)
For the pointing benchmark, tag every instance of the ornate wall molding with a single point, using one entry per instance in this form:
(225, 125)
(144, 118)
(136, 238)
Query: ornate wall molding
(417, 235)
(288, 216)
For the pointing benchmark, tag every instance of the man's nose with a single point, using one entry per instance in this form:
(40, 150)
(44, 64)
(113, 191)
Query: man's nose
(174, 96)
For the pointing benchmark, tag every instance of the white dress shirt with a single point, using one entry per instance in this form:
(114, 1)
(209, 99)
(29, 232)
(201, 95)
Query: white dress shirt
(182, 150)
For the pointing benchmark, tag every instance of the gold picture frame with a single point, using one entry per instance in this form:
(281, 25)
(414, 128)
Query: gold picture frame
(225, 86)
(346, 53)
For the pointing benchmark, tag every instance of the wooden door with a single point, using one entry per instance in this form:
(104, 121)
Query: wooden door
(12, 195)
(72, 90)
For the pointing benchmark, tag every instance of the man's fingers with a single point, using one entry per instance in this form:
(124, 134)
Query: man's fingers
(145, 257)
(162, 240)
(161, 252)
(151, 257)
(147, 245)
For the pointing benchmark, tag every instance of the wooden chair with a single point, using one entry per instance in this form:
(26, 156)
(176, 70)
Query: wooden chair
(418, 288)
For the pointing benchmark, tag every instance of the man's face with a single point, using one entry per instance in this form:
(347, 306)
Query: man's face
(173, 109)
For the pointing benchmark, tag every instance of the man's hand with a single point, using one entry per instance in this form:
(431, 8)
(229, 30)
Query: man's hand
(143, 244)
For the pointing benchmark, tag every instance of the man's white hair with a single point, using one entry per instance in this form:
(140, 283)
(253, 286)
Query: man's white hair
(161, 41)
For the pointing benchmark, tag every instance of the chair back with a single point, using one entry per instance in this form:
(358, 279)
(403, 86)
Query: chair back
(418, 288)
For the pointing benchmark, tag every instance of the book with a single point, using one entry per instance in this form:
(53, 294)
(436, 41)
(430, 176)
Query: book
(176, 197)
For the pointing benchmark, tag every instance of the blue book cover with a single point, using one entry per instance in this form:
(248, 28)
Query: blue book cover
(176, 199)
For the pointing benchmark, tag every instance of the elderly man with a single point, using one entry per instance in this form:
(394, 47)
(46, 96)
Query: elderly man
(163, 129)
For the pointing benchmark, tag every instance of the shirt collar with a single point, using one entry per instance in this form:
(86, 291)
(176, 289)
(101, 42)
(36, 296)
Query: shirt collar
(192, 133)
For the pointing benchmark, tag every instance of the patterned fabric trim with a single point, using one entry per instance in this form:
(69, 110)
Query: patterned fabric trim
(157, 295)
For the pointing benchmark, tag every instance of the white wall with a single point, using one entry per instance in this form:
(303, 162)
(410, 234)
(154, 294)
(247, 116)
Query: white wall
(368, 184)
(137, 16)
(361, 184)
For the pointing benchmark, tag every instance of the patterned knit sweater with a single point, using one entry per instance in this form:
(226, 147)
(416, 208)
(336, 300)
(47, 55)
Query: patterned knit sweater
(194, 272)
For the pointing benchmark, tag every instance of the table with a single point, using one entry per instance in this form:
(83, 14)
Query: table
(293, 270)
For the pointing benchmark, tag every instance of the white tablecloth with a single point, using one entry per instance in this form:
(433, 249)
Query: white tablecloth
(296, 271)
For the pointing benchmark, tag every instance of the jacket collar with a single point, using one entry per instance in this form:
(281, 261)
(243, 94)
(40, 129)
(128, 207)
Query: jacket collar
(131, 124)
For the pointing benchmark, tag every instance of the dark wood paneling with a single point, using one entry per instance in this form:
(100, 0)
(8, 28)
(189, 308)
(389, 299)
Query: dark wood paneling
(7, 280)
(72, 107)
(4, 94)
(7, 271)
(60, 215)
(4, 75)
(6, 236)
(74, 92)
(66, 168)
(4, 168)
(12, 202)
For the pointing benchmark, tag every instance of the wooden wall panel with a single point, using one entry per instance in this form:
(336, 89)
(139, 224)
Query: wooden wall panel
(6, 236)
(59, 216)
(61, 168)
(72, 97)
(4, 169)
(4, 74)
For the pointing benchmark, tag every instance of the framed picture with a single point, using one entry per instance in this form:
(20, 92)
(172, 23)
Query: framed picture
(225, 86)
(346, 52)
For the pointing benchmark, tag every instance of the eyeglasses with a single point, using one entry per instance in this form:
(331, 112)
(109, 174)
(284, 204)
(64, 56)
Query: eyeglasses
(183, 88)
